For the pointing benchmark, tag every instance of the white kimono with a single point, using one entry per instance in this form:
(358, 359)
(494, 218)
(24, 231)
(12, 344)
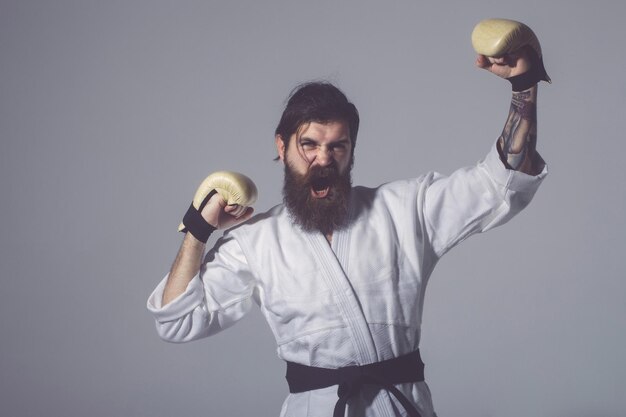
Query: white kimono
(358, 300)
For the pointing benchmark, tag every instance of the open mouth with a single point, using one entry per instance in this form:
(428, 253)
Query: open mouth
(320, 187)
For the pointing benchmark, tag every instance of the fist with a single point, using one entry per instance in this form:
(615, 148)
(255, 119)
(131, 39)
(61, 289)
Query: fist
(219, 214)
(223, 199)
(508, 49)
(508, 65)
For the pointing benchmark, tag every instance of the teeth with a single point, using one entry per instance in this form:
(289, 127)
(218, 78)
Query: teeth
(321, 193)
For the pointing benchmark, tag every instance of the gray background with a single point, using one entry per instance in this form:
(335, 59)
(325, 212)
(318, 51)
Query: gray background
(111, 112)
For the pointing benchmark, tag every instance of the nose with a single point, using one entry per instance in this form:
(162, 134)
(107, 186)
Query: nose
(324, 156)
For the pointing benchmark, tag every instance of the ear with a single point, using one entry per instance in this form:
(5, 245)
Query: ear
(280, 147)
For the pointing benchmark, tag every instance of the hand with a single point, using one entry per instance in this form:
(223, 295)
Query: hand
(508, 65)
(236, 191)
(221, 215)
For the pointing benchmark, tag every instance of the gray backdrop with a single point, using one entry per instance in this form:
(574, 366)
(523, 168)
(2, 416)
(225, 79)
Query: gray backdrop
(112, 112)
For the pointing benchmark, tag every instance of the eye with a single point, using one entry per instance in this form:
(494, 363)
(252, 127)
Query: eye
(339, 147)
(308, 145)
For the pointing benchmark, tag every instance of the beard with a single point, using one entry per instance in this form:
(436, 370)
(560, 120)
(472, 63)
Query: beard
(318, 214)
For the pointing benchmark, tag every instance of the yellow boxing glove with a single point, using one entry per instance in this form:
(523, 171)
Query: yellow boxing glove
(233, 188)
(498, 37)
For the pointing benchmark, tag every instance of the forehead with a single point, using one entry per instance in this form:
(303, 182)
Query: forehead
(330, 131)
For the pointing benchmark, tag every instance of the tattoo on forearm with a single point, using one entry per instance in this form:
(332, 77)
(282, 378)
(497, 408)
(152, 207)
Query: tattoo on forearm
(521, 102)
(519, 136)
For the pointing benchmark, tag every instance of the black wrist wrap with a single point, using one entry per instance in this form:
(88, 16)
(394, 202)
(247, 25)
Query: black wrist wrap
(536, 73)
(195, 223)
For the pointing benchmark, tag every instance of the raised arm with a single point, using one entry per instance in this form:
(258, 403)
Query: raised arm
(511, 50)
(518, 142)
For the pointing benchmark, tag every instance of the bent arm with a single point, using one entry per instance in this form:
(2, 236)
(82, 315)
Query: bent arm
(199, 297)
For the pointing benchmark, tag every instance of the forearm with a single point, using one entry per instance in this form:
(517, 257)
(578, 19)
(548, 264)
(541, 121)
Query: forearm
(185, 267)
(518, 142)
(216, 214)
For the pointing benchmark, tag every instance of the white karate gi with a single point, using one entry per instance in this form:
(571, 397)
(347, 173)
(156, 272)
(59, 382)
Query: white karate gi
(358, 300)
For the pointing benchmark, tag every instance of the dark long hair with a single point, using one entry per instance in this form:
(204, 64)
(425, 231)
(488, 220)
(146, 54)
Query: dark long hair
(319, 102)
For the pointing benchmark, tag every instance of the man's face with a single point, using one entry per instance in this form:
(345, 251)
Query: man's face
(317, 175)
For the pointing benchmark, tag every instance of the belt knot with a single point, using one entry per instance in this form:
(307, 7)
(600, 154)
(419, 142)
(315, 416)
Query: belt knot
(354, 379)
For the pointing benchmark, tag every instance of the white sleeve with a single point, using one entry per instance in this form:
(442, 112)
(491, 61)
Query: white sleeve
(475, 199)
(217, 297)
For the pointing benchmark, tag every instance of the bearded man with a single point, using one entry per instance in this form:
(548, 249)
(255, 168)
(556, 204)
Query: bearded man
(340, 272)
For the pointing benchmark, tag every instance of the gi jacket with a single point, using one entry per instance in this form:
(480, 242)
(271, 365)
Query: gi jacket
(358, 300)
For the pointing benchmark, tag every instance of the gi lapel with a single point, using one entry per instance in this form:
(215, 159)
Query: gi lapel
(335, 277)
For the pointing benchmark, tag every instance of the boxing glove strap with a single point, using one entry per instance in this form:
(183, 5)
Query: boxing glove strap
(536, 73)
(195, 223)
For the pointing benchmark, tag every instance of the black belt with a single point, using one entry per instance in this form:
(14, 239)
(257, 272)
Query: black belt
(407, 368)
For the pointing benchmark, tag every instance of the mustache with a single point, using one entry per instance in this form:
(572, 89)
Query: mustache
(321, 176)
